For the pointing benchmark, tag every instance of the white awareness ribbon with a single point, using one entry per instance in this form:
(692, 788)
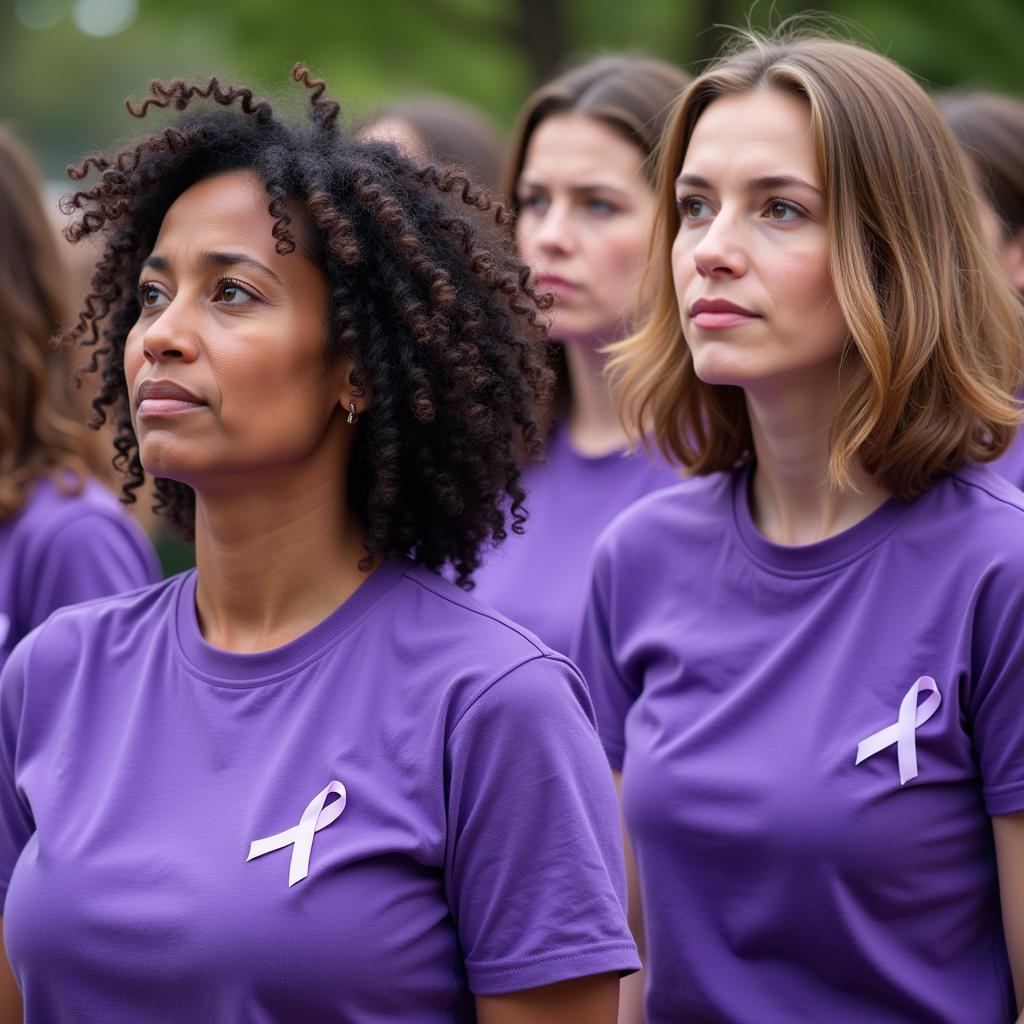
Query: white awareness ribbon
(903, 733)
(300, 837)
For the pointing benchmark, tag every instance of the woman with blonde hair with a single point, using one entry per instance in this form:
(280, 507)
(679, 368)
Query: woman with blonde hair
(807, 662)
(63, 538)
(581, 178)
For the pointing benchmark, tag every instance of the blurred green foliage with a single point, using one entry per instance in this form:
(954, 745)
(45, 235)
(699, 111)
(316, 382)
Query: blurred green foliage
(63, 90)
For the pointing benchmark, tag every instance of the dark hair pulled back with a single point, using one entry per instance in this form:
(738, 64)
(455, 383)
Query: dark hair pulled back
(431, 305)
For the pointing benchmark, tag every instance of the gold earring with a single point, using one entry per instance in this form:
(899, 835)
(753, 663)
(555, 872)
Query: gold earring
(352, 417)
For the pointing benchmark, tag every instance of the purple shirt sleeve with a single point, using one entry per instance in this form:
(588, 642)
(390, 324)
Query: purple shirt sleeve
(87, 555)
(996, 705)
(529, 786)
(612, 693)
(16, 824)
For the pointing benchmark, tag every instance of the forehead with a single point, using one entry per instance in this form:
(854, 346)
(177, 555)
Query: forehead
(766, 132)
(568, 148)
(225, 212)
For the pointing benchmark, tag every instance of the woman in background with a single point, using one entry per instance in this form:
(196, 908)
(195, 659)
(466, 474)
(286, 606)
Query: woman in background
(63, 538)
(990, 130)
(580, 176)
(807, 662)
(441, 130)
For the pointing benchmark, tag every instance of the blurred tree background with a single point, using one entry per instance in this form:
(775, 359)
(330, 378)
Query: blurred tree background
(67, 65)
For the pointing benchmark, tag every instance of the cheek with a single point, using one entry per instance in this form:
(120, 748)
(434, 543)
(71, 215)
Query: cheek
(525, 234)
(683, 267)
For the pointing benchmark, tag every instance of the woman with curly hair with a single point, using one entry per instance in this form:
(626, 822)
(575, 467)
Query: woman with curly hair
(807, 662)
(310, 780)
(63, 538)
(581, 175)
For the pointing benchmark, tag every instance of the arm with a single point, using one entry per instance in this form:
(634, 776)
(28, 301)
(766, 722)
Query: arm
(1009, 835)
(631, 994)
(590, 1000)
(10, 996)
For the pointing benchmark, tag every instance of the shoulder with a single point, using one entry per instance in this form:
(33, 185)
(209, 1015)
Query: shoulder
(446, 609)
(688, 512)
(978, 511)
(474, 648)
(104, 622)
(50, 515)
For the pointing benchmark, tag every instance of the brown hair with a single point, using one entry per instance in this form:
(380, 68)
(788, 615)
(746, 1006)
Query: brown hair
(34, 439)
(451, 132)
(633, 95)
(990, 129)
(935, 349)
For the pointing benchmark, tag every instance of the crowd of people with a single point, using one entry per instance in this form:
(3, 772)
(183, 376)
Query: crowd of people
(608, 600)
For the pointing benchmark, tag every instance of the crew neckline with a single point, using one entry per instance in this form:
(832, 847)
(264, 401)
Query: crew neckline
(811, 559)
(228, 668)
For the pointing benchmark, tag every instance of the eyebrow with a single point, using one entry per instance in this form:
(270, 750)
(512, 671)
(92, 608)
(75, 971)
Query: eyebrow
(216, 259)
(585, 187)
(754, 184)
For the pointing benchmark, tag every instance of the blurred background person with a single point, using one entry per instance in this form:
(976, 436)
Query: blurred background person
(580, 178)
(63, 537)
(441, 130)
(990, 130)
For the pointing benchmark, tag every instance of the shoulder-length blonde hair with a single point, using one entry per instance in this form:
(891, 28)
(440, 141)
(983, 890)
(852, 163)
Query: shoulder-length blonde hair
(35, 440)
(936, 341)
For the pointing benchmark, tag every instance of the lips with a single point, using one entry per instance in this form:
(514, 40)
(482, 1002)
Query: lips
(555, 284)
(718, 313)
(155, 397)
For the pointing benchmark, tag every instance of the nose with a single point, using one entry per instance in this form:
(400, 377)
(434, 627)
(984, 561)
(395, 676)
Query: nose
(172, 335)
(553, 234)
(722, 249)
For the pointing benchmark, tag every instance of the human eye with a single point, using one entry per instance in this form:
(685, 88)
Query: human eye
(232, 293)
(693, 208)
(150, 296)
(535, 201)
(600, 206)
(783, 211)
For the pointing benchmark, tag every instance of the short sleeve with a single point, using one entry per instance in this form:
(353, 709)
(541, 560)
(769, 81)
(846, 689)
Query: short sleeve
(996, 708)
(593, 651)
(94, 554)
(534, 867)
(16, 824)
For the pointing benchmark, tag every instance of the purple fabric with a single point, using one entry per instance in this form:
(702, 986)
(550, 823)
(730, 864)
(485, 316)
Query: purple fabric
(60, 550)
(734, 680)
(1011, 463)
(478, 850)
(539, 578)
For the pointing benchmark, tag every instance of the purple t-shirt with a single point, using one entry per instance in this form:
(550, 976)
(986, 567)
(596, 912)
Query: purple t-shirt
(1011, 463)
(539, 578)
(736, 683)
(62, 549)
(478, 849)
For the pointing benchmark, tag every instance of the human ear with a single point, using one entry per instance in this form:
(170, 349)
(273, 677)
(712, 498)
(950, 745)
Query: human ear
(354, 395)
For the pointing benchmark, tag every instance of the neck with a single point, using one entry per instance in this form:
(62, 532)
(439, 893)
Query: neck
(274, 559)
(593, 422)
(792, 500)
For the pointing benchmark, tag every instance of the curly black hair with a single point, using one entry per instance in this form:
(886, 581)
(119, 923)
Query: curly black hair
(426, 298)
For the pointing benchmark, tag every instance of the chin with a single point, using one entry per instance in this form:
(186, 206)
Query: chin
(724, 370)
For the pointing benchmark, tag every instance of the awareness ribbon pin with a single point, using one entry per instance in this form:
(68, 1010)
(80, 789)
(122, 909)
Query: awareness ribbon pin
(902, 733)
(300, 837)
